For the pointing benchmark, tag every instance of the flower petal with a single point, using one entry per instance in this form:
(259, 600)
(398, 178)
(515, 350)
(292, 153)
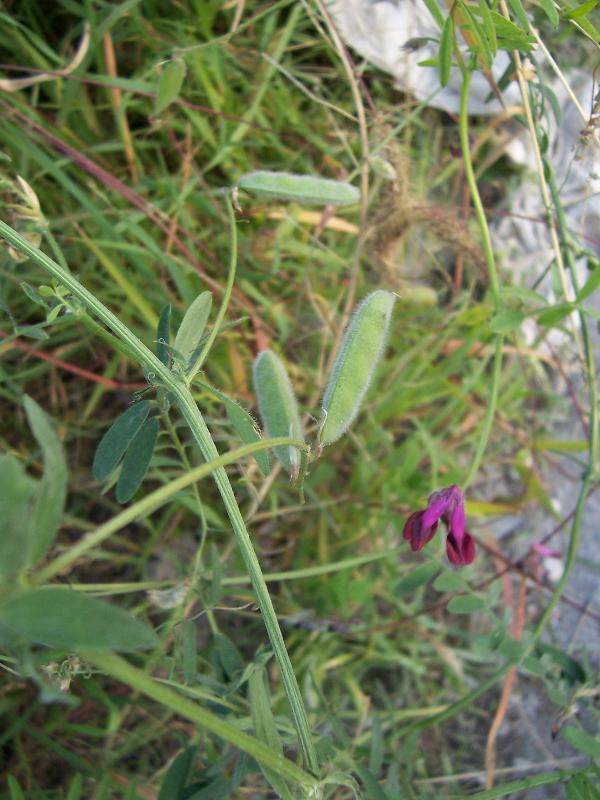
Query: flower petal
(460, 551)
(416, 533)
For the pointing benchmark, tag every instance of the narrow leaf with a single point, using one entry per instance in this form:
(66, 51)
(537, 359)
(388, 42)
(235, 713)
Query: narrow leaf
(417, 577)
(17, 497)
(506, 321)
(178, 775)
(446, 47)
(278, 406)
(519, 12)
(47, 511)
(590, 286)
(265, 727)
(169, 85)
(466, 604)
(189, 335)
(488, 26)
(117, 438)
(137, 460)
(582, 741)
(243, 424)
(582, 10)
(229, 656)
(60, 617)
(551, 12)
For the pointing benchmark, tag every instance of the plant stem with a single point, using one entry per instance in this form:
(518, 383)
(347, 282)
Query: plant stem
(488, 251)
(125, 672)
(523, 784)
(226, 294)
(158, 372)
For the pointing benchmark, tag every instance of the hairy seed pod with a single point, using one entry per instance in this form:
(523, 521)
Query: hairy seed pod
(355, 364)
(302, 188)
(278, 406)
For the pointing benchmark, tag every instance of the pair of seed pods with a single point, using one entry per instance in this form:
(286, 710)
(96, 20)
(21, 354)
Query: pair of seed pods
(353, 369)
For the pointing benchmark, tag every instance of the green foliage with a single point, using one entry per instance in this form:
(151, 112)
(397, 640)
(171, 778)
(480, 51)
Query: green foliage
(169, 84)
(278, 406)
(61, 618)
(117, 439)
(137, 460)
(244, 425)
(31, 509)
(129, 167)
(188, 340)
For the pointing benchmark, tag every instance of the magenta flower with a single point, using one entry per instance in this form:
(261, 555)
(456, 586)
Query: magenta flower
(447, 505)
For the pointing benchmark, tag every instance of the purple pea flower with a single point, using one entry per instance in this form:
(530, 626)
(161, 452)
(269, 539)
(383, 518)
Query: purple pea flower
(447, 505)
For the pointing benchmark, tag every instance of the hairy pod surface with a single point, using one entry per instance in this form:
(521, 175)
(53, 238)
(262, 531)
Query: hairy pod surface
(355, 364)
(278, 406)
(302, 188)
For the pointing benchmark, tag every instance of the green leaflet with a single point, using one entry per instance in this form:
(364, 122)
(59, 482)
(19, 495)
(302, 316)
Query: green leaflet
(47, 509)
(355, 364)
(446, 46)
(60, 617)
(137, 460)
(265, 727)
(17, 494)
(117, 439)
(278, 406)
(243, 424)
(189, 335)
(169, 85)
(302, 188)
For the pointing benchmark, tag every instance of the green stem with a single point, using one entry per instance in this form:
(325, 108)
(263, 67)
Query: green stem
(523, 784)
(290, 575)
(488, 250)
(226, 294)
(125, 672)
(150, 503)
(158, 372)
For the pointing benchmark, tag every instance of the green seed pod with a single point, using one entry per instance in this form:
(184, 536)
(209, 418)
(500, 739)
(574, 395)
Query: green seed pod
(355, 364)
(278, 406)
(302, 188)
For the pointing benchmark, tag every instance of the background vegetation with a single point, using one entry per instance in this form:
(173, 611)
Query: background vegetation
(401, 660)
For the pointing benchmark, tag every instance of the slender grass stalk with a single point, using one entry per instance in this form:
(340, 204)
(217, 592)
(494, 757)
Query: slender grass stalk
(151, 502)
(488, 251)
(125, 672)
(523, 784)
(234, 580)
(158, 372)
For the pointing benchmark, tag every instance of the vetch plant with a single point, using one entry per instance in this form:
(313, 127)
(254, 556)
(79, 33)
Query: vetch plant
(448, 506)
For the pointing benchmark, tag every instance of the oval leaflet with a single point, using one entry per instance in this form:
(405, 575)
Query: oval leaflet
(278, 406)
